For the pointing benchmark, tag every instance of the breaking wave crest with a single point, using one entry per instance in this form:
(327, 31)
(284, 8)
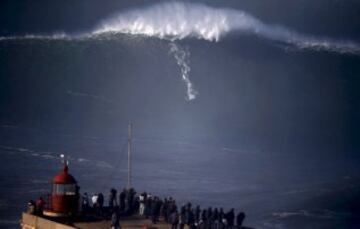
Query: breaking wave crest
(176, 21)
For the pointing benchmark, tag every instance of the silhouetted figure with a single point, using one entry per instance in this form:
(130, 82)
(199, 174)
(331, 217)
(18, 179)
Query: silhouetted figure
(31, 207)
(240, 219)
(122, 197)
(197, 214)
(112, 198)
(171, 207)
(230, 217)
(129, 203)
(100, 201)
(155, 210)
(148, 206)
(222, 219)
(182, 217)
(190, 218)
(39, 206)
(164, 210)
(174, 219)
(142, 199)
(215, 219)
(208, 221)
(85, 203)
(94, 200)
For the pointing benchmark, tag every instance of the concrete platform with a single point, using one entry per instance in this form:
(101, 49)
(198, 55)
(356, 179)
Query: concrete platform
(29, 221)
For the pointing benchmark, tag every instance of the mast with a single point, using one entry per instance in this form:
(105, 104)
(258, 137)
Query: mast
(129, 154)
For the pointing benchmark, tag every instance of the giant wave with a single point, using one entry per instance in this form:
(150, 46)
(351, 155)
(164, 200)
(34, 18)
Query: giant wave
(177, 20)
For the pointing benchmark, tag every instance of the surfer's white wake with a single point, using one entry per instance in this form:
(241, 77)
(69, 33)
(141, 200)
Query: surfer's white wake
(182, 58)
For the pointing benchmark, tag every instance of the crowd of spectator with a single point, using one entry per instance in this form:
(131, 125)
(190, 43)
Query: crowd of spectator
(127, 203)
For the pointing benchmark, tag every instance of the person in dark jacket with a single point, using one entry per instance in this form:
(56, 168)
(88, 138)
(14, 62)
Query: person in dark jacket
(174, 219)
(209, 217)
(122, 197)
(100, 205)
(182, 217)
(240, 219)
(164, 211)
(101, 200)
(85, 203)
(197, 214)
(112, 198)
(155, 210)
(230, 217)
(190, 218)
(31, 207)
(148, 204)
(215, 218)
(39, 206)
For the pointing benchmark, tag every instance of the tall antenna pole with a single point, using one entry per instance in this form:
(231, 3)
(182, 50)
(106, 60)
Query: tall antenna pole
(129, 154)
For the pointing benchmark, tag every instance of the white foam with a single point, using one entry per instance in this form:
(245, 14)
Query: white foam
(176, 20)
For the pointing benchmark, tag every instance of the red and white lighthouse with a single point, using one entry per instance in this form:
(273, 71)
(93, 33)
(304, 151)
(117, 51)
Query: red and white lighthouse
(64, 198)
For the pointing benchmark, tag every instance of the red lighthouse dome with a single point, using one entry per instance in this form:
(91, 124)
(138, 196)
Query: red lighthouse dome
(64, 177)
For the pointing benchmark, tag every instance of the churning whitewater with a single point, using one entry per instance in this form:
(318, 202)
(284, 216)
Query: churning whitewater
(177, 20)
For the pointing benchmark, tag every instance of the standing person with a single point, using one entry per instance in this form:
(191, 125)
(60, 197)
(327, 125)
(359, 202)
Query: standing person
(222, 219)
(170, 208)
(39, 206)
(31, 207)
(190, 218)
(155, 209)
(197, 215)
(215, 218)
(182, 217)
(85, 202)
(100, 204)
(148, 204)
(209, 218)
(112, 198)
(203, 216)
(230, 216)
(174, 219)
(240, 219)
(142, 199)
(94, 200)
(130, 196)
(122, 197)
(164, 210)
(115, 221)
